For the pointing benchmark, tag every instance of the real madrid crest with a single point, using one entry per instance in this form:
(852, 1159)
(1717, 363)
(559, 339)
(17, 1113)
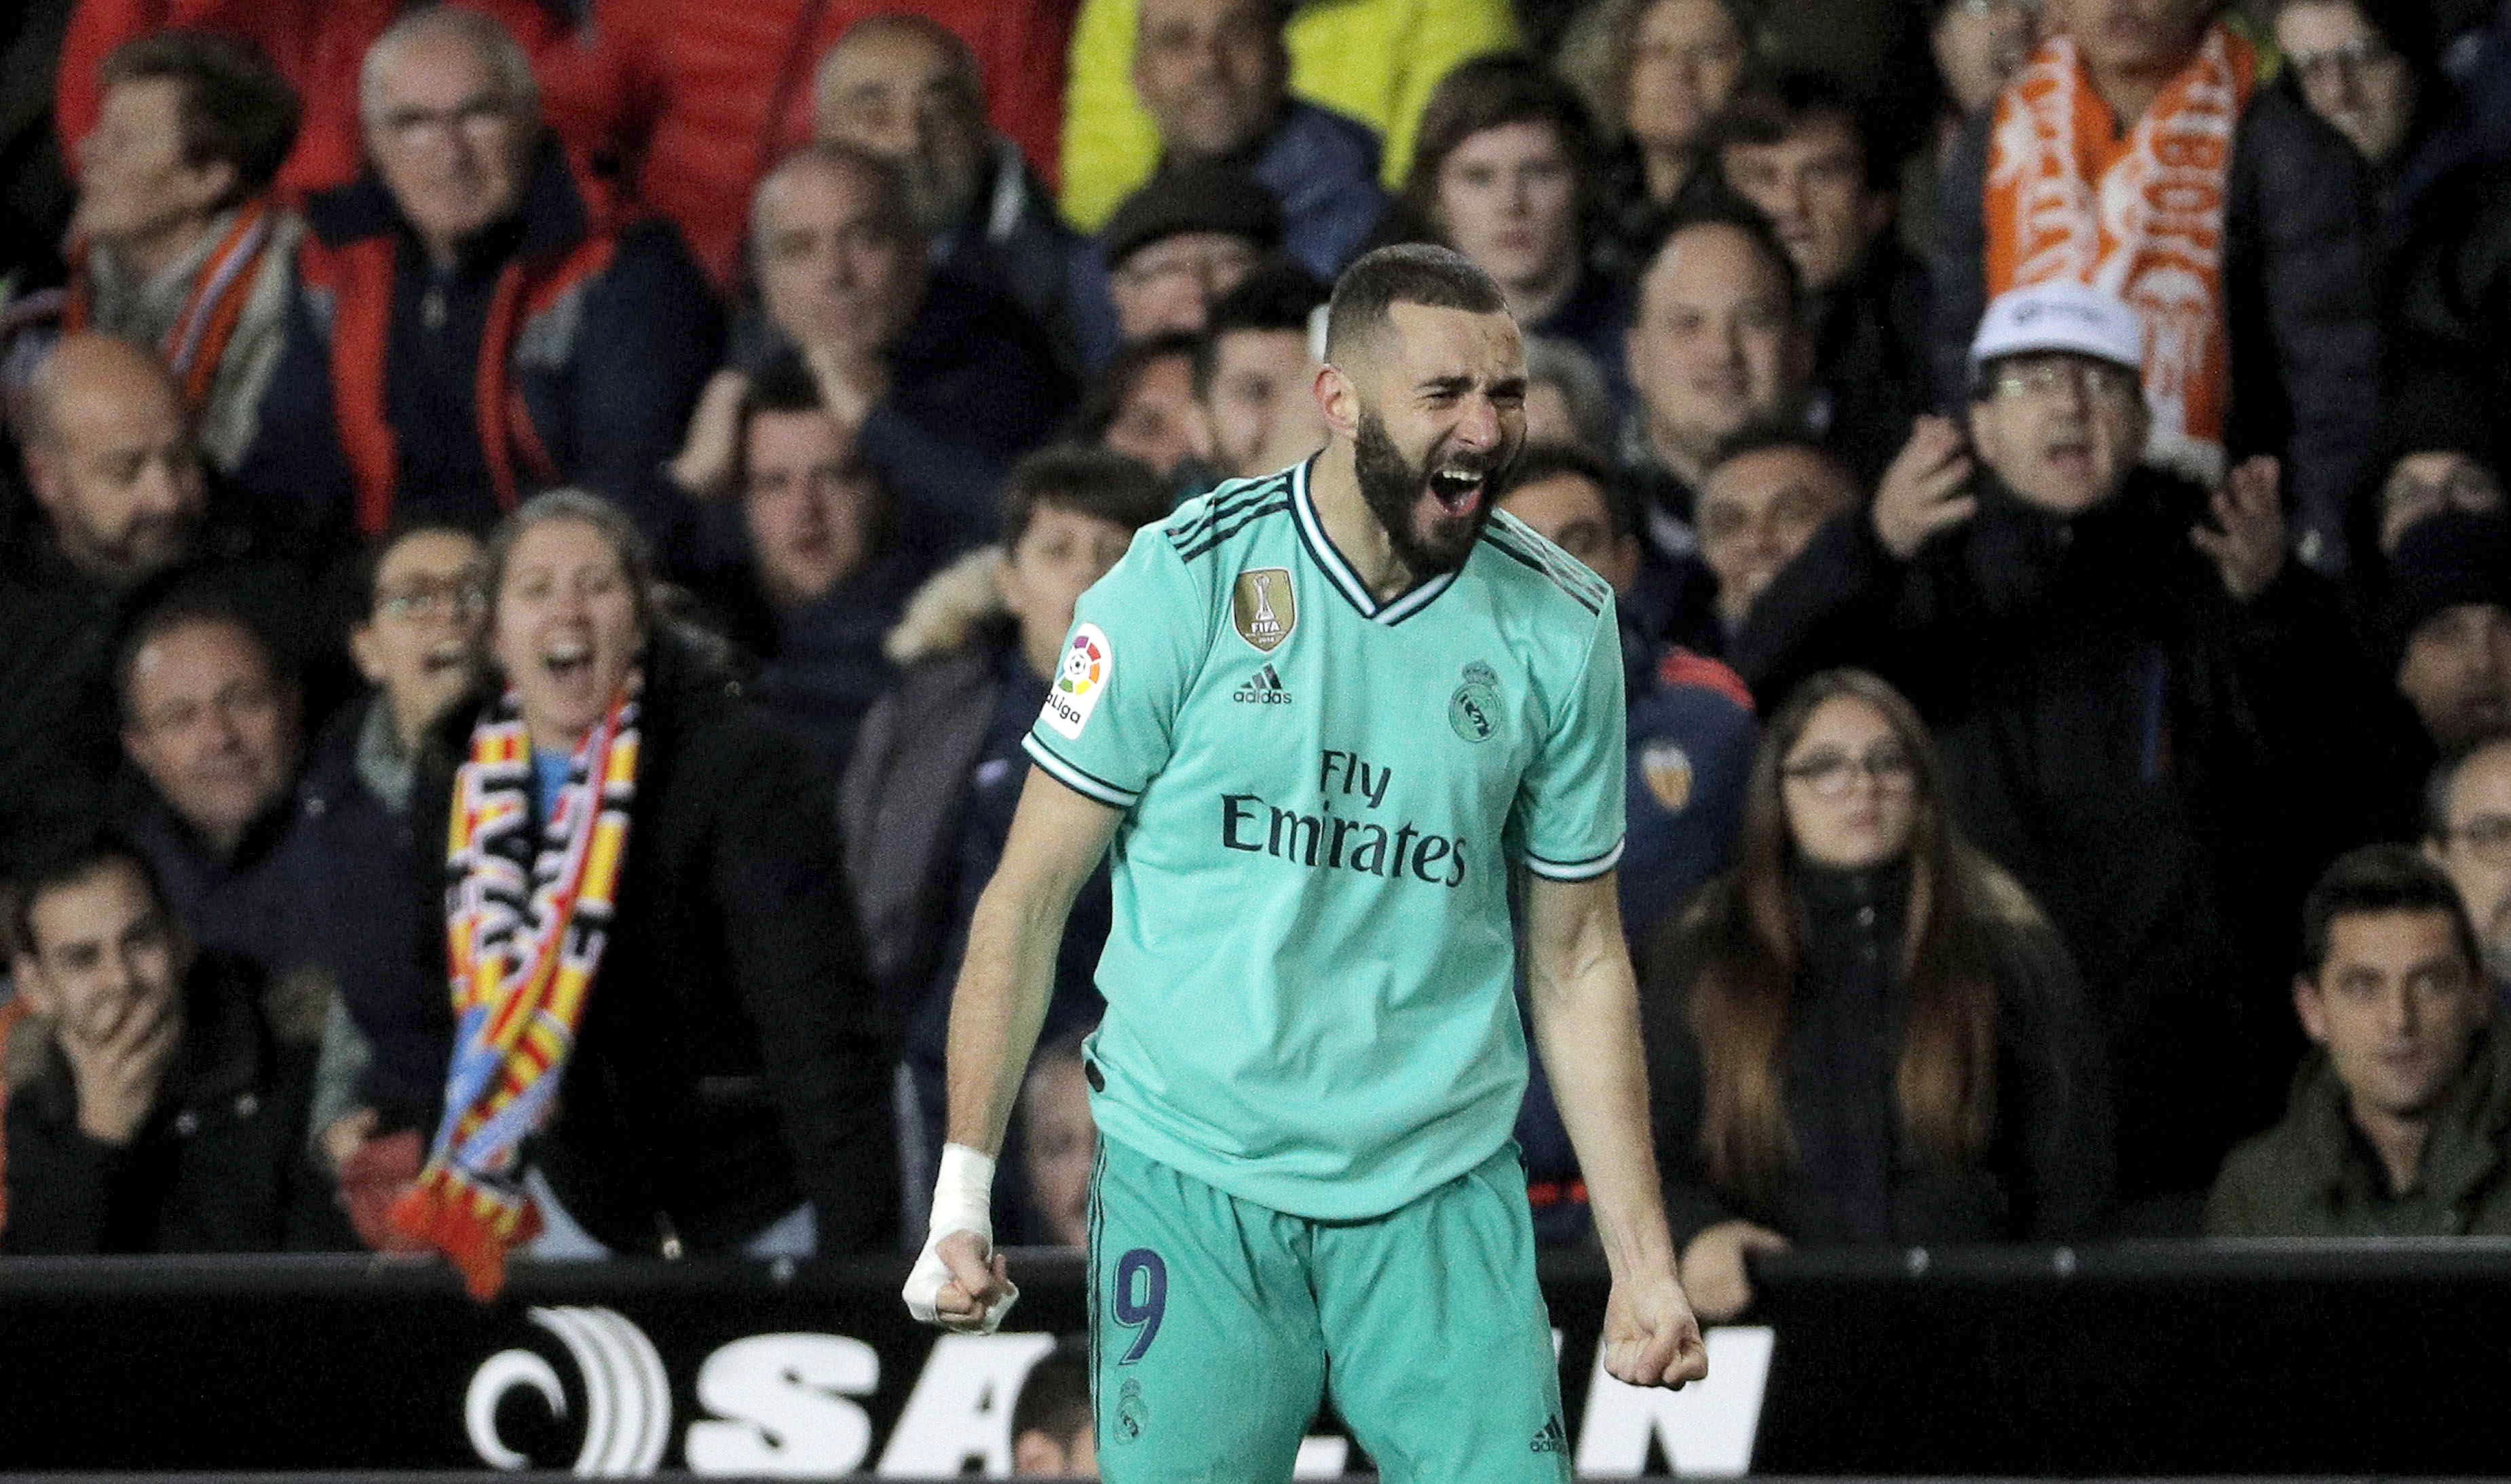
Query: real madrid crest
(1474, 709)
(1263, 608)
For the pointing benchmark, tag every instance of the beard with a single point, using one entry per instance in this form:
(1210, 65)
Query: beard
(1396, 491)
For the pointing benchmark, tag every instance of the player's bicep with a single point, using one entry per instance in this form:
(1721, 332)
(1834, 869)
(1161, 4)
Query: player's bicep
(1057, 838)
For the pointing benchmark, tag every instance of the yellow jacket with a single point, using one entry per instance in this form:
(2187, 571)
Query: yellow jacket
(1374, 61)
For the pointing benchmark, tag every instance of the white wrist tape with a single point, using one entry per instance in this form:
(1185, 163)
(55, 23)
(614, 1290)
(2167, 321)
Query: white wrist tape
(963, 1193)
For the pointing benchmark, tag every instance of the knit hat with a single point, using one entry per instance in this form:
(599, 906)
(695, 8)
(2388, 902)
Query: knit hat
(1195, 198)
(2448, 558)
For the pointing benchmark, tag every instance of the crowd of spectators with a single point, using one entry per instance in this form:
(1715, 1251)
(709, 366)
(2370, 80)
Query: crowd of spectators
(531, 532)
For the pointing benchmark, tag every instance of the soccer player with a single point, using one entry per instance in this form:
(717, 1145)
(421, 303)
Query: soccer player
(1322, 717)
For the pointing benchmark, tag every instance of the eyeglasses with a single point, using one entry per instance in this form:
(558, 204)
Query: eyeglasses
(2043, 378)
(473, 118)
(2349, 61)
(1213, 265)
(2487, 837)
(424, 599)
(1831, 773)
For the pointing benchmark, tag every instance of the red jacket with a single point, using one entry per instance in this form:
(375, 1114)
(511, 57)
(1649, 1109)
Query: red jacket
(317, 45)
(681, 93)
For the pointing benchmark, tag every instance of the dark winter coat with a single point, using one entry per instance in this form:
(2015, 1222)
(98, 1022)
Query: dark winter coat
(2046, 1170)
(2300, 250)
(219, 1166)
(2314, 1175)
(733, 1059)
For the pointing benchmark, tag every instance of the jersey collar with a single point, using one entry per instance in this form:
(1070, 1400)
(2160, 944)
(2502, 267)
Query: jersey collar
(1338, 572)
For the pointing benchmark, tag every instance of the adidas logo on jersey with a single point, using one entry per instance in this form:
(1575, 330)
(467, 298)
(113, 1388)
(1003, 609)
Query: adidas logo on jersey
(1262, 688)
(1553, 1438)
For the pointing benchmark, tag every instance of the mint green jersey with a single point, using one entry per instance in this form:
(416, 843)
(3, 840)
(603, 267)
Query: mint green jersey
(1310, 975)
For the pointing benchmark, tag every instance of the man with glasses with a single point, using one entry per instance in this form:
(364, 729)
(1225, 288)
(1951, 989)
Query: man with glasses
(2132, 684)
(2467, 833)
(472, 324)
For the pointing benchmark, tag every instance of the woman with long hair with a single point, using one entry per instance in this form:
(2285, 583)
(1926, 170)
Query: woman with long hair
(665, 1039)
(1866, 1032)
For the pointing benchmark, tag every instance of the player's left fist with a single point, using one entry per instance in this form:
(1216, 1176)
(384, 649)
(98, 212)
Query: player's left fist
(1651, 1338)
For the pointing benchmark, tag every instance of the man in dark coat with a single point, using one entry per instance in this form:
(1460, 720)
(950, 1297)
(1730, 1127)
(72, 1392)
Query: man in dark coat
(2400, 1122)
(166, 1116)
(2299, 249)
(2131, 685)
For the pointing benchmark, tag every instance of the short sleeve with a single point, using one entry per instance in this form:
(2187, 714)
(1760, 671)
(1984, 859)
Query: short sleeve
(1138, 637)
(1570, 801)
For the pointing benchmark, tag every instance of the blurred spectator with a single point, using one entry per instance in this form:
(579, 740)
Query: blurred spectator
(1213, 76)
(1716, 346)
(827, 574)
(938, 768)
(2398, 1123)
(1978, 45)
(2258, 292)
(2467, 833)
(176, 243)
(316, 44)
(727, 1068)
(1174, 249)
(939, 382)
(357, 900)
(1052, 1432)
(1061, 1144)
(1143, 405)
(2131, 684)
(470, 325)
(699, 100)
(1507, 174)
(1566, 400)
(906, 88)
(1654, 73)
(35, 183)
(1370, 60)
(2432, 480)
(1769, 492)
(1255, 373)
(2373, 71)
(1799, 147)
(2450, 624)
(167, 1116)
(1868, 1033)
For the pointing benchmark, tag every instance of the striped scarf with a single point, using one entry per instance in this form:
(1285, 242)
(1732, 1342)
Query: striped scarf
(2140, 218)
(194, 344)
(524, 929)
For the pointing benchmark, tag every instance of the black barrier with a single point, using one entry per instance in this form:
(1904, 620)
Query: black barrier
(2129, 1361)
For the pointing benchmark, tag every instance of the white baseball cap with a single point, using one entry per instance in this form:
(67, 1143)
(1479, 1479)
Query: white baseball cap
(2074, 318)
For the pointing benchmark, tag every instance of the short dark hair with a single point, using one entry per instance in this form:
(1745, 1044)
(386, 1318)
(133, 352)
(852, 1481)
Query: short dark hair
(1541, 462)
(1769, 436)
(1726, 210)
(357, 596)
(237, 108)
(1492, 93)
(65, 859)
(1099, 483)
(185, 601)
(1771, 104)
(1279, 296)
(2380, 879)
(1103, 400)
(1055, 1400)
(1409, 273)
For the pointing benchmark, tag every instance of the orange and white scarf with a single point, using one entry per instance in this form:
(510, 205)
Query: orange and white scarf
(195, 345)
(526, 918)
(2140, 218)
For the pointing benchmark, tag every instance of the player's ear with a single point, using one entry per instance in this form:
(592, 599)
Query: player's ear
(1337, 399)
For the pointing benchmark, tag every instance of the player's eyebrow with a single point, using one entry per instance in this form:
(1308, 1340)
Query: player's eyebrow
(1457, 385)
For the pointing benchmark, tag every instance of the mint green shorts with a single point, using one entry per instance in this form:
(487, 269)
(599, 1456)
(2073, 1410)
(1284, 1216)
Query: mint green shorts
(1215, 1324)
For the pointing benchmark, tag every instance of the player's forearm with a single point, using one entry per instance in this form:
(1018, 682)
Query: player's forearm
(1587, 1030)
(997, 1006)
